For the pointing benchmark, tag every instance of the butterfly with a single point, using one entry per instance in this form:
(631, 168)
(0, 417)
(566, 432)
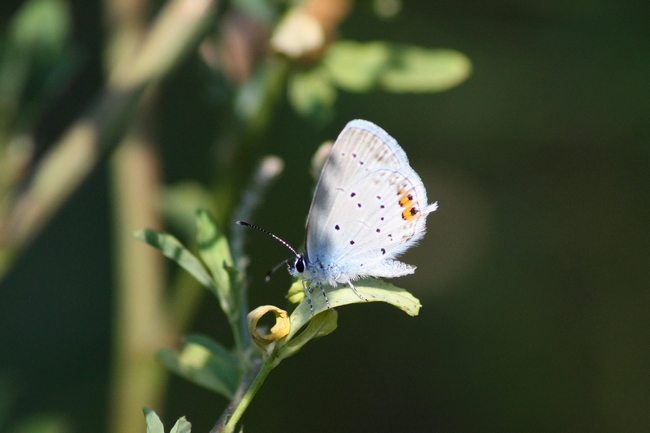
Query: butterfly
(369, 207)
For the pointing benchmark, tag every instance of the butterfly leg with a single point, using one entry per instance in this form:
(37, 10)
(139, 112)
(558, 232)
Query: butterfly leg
(356, 291)
(327, 301)
(307, 290)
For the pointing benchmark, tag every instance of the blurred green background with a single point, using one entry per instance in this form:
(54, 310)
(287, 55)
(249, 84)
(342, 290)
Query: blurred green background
(534, 275)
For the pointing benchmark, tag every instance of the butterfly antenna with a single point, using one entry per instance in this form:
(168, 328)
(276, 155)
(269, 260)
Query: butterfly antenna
(283, 242)
(267, 278)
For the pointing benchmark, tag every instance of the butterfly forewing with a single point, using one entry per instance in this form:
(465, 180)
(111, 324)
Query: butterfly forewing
(360, 147)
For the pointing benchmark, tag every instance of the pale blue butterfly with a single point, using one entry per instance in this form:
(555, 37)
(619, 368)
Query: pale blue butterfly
(369, 207)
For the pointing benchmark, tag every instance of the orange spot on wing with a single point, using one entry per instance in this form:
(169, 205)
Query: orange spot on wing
(405, 199)
(409, 213)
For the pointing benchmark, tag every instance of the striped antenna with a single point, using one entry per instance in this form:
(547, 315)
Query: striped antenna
(282, 241)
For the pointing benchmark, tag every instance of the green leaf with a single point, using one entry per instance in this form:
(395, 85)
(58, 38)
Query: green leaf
(360, 67)
(205, 363)
(182, 426)
(215, 252)
(180, 202)
(355, 66)
(214, 347)
(374, 290)
(42, 26)
(172, 248)
(154, 425)
(296, 293)
(417, 69)
(236, 291)
(312, 94)
(320, 325)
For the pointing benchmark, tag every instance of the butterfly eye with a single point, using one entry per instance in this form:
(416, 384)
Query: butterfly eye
(300, 265)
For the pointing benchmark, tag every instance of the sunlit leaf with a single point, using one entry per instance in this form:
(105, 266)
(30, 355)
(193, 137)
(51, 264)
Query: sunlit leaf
(355, 66)
(154, 425)
(172, 248)
(374, 290)
(296, 293)
(214, 249)
(204, 362)
(42, 25)
(418, 69)
(181, 426)
(360, 67)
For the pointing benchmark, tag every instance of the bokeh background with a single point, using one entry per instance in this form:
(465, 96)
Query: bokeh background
(534, 275)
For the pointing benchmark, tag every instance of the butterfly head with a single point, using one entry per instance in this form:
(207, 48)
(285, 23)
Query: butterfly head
(296, 265)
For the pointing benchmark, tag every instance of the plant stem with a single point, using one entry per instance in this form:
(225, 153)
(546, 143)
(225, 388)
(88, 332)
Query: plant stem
(255, 385)
(237, 336)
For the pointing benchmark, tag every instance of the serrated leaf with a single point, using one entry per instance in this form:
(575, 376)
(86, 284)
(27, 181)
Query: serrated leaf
(417, 69)
(374, 290)
(173, 249)
(312, 94)
(355, 66)
(181, 426)
(320, 325)
(205, 363)
(215, 252)
(154, 425)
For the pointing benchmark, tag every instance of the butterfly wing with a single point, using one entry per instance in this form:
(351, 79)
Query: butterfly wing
(369, 206)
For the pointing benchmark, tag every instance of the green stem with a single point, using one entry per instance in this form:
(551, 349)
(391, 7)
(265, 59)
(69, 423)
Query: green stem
(237, 336)
(267, 366)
